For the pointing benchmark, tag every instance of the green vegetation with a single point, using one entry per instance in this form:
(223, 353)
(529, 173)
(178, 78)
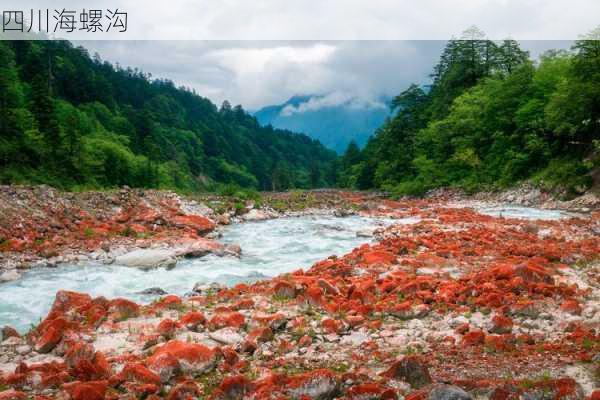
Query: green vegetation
(492, 117)
(76, 122)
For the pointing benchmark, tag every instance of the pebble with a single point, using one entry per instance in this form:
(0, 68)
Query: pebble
(22, 350)
(226, 336)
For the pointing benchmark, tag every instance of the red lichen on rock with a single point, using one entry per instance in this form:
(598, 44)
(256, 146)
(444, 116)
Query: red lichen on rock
(93, 390)
(227, 319)
(174, 357)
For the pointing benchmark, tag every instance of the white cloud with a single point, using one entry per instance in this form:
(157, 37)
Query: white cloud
(332, 100)
(256, 74)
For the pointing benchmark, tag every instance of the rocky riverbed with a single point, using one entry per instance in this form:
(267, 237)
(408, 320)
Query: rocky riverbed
(43, 227)
(457, 305)
(268, 248)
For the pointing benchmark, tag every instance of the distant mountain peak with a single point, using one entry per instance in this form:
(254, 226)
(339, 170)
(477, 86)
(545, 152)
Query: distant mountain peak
(335, 119)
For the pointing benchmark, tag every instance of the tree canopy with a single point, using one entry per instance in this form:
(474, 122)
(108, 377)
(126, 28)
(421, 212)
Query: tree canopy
(75, 121)
(490, 118)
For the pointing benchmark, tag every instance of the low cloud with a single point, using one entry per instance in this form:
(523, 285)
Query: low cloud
(332, 100)
(257, 74)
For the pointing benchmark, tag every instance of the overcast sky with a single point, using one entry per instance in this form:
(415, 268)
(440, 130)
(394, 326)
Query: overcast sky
(254, 71)
(256, 74)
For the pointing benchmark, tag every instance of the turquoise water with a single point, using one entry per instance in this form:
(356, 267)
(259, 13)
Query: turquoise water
(269, 248)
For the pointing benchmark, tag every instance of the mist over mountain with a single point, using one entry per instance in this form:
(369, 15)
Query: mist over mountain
(334, 119)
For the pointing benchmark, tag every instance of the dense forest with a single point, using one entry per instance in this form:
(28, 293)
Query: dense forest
(490, 118)
(77, 122)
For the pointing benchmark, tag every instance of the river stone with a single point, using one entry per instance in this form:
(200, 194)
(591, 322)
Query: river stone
(155, 291)
(198, 248)
(448, 392)
(226, 336)
(202, 287)
(364, 233)
(255, 215)
(8, 332)
(234, 250)
(355, 338)
(10, 275)
(148, 258)
(23, 349)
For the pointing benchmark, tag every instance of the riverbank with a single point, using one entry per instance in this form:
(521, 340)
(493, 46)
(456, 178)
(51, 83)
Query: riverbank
(269, 248)
(42, 227)
(457, 304)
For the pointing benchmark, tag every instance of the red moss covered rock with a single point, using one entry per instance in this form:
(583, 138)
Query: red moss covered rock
(355, 320)
(233, 388)
(328, 287)
(261, 334)
(170, 302)
(379, 257)
(121, 309)
(227, 319)
(501, 324)
(500, 342)
(314, 295)
(78, 352)
(86, 364)
(166, 328)
(284, 289)
(137, 373)
(533, 273)
(317, 384)
(51, 336)
(174, 357)
(274, 321)
(200, 224)
(8, 332)
(558, 389)
(331, 325)
(571, 306)
(184, 391)
(473, 338)
(193, 320)
(12, 395)
(371, 391)
(67, 301)
(92, 390)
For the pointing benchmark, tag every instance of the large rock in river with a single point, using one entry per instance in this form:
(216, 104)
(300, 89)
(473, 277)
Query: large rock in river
(167, 257)
(148, 258)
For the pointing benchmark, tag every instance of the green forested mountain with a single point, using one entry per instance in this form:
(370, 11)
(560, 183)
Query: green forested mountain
(490, 118)
(74, 121)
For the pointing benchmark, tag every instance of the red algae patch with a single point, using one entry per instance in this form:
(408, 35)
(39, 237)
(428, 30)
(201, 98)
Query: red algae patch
(458, 306)
(178, 357)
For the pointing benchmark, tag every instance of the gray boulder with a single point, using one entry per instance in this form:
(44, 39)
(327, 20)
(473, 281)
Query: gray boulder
(448, 392)
(148, 258)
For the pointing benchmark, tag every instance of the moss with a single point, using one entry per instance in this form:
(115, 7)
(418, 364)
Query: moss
(88, 233)
(280, 299)
(210, 381)
(127, 232)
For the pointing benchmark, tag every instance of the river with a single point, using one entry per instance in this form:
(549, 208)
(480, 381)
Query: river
(269, 248)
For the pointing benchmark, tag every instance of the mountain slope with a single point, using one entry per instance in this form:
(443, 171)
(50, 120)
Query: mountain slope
(333, 120)
(74, 121)
(487, 123)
